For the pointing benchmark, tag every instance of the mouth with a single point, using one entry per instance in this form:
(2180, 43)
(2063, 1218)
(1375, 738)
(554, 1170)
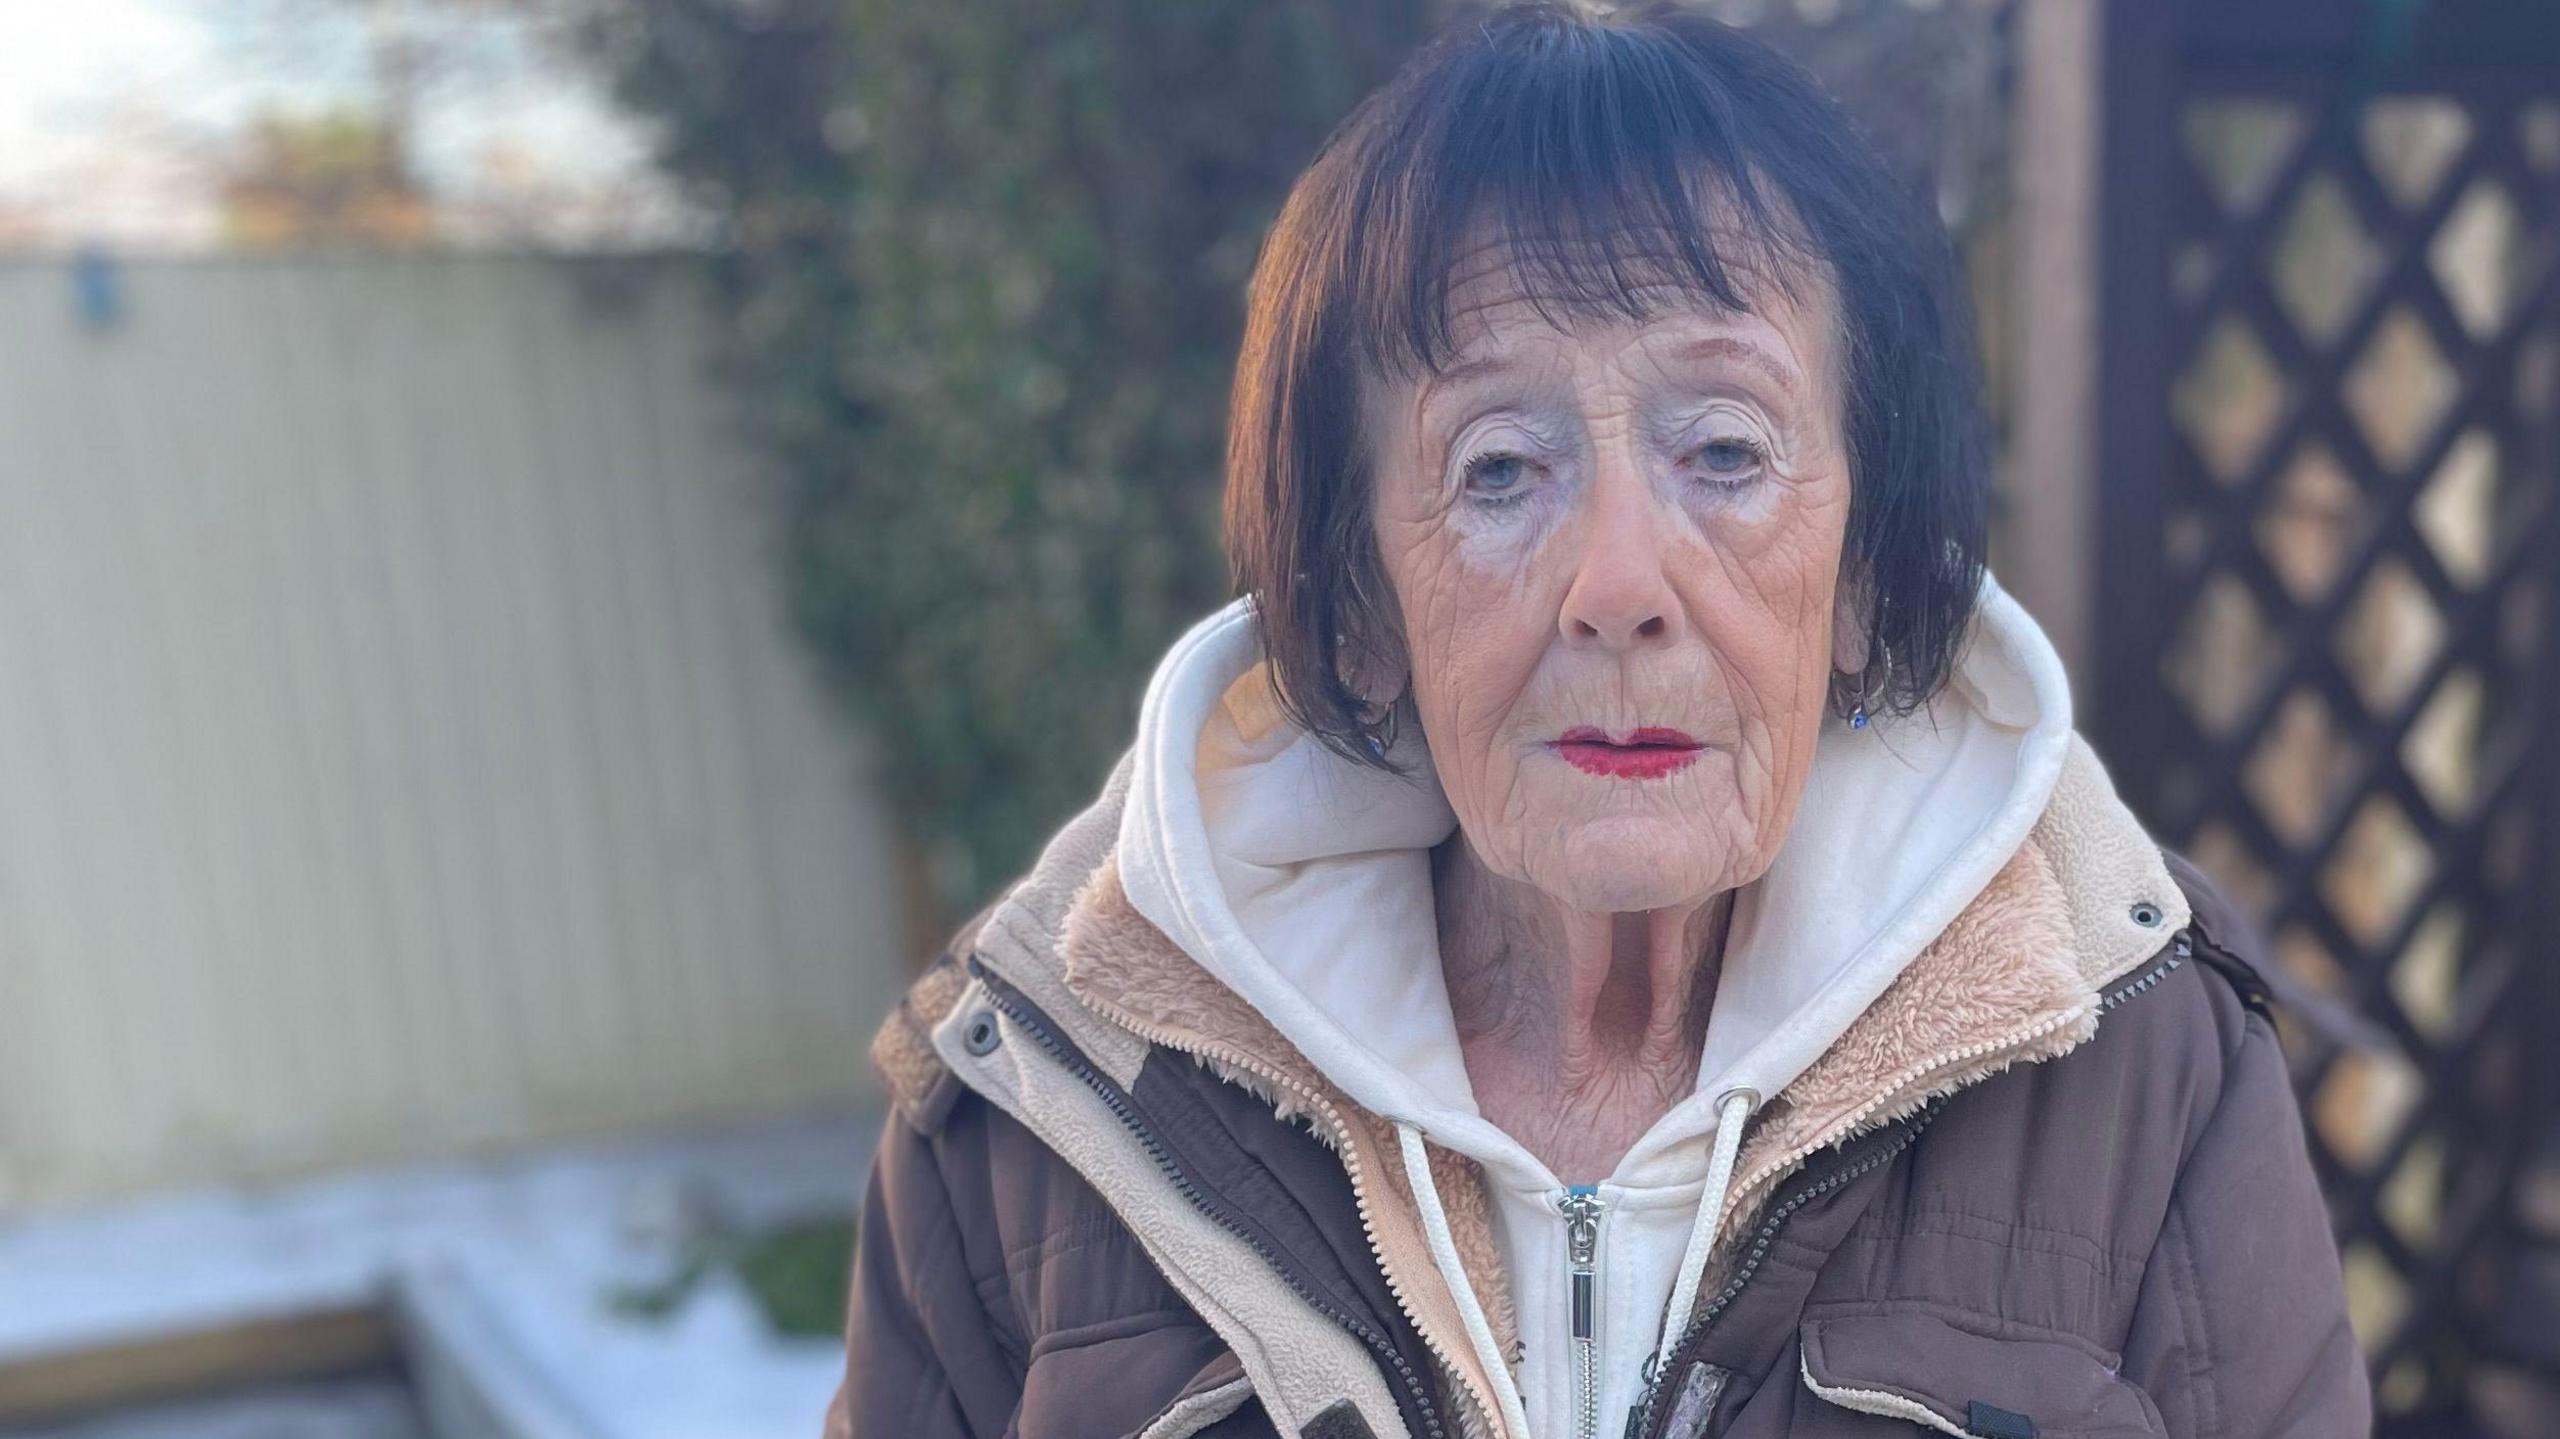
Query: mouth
(1647, 753)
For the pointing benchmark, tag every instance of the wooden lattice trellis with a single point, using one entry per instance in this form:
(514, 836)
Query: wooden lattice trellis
(2330, 451)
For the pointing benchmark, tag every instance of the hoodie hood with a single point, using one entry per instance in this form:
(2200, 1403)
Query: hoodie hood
(1302, 881)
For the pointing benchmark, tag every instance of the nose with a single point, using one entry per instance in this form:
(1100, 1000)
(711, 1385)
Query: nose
(1621, 597)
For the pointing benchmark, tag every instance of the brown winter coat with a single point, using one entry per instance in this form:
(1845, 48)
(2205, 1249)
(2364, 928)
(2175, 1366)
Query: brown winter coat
(2052, 1183)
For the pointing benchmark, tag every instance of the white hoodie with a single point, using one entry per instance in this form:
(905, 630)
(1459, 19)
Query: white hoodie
(1302, 882)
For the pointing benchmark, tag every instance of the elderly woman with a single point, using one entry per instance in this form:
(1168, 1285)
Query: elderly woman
(1615, 933)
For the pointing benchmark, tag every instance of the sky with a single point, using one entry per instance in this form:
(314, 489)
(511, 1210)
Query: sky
(111, 110)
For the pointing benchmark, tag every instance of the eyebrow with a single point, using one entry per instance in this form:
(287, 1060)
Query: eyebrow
(1743, 352)
(1730, 348)
(1459, 374)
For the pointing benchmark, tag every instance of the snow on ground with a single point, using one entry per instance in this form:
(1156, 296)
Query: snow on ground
(505, 1267)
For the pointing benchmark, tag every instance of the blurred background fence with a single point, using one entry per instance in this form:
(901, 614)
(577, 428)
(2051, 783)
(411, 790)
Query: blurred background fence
(400, 751)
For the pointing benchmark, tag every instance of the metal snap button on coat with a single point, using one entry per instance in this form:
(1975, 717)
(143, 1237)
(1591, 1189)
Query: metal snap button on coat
(982, 1034)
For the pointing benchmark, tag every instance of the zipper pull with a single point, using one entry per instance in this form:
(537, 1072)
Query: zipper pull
(1581, 1206)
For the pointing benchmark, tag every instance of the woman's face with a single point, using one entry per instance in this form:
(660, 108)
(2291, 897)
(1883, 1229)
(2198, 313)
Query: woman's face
(1615, 555)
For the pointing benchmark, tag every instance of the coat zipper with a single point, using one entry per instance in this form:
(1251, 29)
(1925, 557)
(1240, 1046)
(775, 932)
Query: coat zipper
(1029, 1019)
(1582, 1208)
(1338, 1138)
(1903, 1082)
(1640, 1416)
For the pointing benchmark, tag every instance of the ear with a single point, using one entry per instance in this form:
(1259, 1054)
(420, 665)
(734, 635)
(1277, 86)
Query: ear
(1377, 671)
(1376, 666)
(1849, 637)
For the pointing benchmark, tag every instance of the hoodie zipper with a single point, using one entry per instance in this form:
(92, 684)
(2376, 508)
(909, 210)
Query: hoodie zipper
(1582, 1208)
(1031, 1021)
(1640, 1417)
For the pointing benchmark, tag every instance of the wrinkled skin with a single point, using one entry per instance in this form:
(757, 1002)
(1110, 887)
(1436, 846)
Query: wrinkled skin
(1616, 525)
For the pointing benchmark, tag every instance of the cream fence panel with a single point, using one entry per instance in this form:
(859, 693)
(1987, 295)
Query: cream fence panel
(401, 748)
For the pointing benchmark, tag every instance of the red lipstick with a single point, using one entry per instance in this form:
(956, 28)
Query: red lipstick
(1647, 753)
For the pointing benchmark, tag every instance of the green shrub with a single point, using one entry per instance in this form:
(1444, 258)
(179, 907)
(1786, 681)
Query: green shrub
(985, 263)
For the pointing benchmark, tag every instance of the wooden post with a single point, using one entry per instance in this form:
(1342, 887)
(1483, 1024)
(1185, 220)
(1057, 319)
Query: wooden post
(2044, 551)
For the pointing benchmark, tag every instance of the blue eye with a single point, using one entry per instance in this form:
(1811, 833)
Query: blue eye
(1493, 476)
(1731, 460)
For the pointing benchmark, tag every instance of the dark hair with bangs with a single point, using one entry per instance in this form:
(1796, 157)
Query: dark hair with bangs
(1725, 166)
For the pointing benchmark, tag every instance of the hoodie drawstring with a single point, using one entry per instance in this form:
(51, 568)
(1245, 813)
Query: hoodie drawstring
(1733, 1110)
(1444, 1254)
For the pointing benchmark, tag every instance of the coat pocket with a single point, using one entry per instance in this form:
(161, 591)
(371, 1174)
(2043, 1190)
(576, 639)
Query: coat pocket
(1219, 1398)
(1142, 1377)
(1917, 1366)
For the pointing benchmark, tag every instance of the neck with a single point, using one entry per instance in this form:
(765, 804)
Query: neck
(1580, 1028)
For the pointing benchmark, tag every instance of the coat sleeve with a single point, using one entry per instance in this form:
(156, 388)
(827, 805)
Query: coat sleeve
(922, 1356)
(2241, 1328)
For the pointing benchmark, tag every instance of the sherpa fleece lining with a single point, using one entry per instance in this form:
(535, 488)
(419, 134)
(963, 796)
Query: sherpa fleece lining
(1302, 881)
